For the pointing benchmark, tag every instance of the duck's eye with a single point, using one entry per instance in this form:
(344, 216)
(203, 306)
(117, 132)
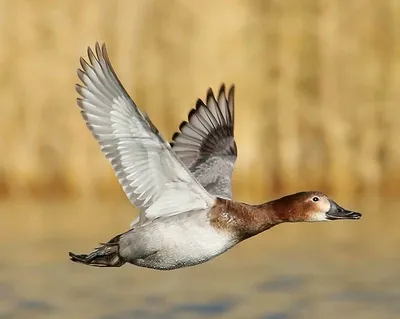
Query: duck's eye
(315, 199)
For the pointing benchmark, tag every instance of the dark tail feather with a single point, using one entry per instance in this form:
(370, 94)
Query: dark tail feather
(107, 255)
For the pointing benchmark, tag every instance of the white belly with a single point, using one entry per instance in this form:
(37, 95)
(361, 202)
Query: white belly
(181, 241)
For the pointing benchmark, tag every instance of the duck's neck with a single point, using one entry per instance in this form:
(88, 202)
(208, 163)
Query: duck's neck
(260, 218)
(249, 220)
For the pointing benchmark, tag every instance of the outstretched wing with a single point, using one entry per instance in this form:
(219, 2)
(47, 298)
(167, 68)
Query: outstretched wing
(206, 143)
(152, 176)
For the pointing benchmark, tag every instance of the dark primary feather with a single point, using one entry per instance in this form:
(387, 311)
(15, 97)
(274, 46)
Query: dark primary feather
(206, 143)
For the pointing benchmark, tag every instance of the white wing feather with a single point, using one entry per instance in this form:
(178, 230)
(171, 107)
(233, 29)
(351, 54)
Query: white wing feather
(151, 175)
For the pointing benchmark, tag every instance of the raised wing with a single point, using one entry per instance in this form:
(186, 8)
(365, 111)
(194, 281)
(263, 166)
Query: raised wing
(151, 175)
(206, 143)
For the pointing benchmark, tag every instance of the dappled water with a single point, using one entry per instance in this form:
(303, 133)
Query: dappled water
(322, 270)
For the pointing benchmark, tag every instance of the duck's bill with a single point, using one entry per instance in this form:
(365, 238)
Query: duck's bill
(337, 212)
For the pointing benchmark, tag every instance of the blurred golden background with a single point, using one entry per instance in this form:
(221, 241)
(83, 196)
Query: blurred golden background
(317, 98)
(317, 107)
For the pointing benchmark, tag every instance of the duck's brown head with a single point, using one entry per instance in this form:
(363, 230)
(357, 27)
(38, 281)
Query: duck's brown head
(310, 207)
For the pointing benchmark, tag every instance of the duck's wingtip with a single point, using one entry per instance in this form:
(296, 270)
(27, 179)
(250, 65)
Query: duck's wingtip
(77, 258)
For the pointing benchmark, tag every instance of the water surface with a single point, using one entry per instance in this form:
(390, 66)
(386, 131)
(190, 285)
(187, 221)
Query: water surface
(317, 270)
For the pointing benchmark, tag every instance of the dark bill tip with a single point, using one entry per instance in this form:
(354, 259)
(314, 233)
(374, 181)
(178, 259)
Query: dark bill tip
(348, 215)
(337, 212)
(342, 214)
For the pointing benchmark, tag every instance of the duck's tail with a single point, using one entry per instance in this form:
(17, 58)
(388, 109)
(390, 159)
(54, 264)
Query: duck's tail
(106, 255)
